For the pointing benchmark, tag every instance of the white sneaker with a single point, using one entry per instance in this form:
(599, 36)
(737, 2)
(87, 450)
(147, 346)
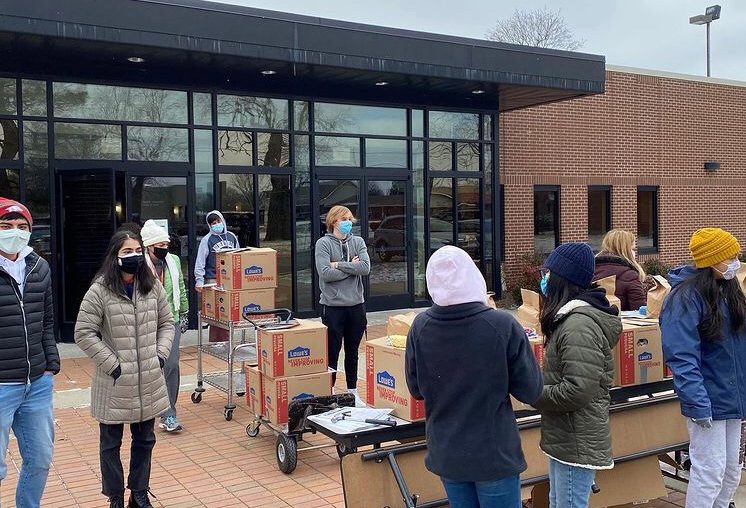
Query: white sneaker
(358, 401)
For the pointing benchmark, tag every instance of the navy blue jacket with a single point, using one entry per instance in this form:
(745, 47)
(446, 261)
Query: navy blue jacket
(709, 377)
(464, 361)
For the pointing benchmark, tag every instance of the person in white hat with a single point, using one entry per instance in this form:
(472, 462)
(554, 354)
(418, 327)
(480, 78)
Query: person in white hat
(167, 268)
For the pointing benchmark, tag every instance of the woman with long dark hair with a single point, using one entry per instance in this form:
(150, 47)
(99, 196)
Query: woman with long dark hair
(704, 345)
(125, 327)
(580, 329)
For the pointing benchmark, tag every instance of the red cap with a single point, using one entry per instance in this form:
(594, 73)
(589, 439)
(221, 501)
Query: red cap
(9, 206)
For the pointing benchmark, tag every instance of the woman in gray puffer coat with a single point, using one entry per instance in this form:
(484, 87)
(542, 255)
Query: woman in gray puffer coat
(125, 327)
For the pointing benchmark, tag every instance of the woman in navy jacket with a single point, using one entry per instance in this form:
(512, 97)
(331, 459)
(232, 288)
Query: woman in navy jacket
(704, 344)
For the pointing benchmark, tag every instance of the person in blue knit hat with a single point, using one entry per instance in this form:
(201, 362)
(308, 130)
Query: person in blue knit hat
(580, 329)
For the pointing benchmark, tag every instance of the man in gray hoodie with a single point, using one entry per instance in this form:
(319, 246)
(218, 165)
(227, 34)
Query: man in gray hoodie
(341, 262)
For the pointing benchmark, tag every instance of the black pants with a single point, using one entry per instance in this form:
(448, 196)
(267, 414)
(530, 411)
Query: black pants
(346, 327)
(112, 473)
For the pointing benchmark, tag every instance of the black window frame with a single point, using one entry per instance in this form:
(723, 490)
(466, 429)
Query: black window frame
(557, 212)
(655, 190)
(609, 209)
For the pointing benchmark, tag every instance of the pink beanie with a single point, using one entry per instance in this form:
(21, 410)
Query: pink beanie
(453, 278)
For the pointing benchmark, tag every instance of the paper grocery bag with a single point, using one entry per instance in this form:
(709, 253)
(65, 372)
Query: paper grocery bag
(528, 313)
(400, 324)
(657, 294)
(609, 285)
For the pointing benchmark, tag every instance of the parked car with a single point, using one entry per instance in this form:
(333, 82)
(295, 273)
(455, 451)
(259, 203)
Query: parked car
(389, 238)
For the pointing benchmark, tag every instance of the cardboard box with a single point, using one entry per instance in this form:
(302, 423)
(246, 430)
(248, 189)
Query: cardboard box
(293, 352)
(657, 294)
(278, 393)
(638, 358)
(208, 302)
(528, 313)
(609, 285)
(386, 381)
(254, 390)
(400, 324)
(230, 305)
(248, 268)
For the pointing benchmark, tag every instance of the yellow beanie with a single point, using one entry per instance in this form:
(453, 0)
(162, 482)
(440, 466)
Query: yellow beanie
(710, 246)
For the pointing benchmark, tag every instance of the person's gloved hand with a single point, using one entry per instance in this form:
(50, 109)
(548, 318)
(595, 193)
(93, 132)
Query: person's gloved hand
(705, 423)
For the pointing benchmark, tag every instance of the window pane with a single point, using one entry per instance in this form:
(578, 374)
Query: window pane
(203, 160)
(467, 156)
(300, 122)
(646, 219)
(487, 127)
(351, 119)
(387, 221)
(202, 108)
(237, 204)
(9, 140)
(36, 180)
(87, 141)
(10, 183)
(418, 200)
(157, 144)
(487, 153)
(103, 102)
(468, 204)
(275, 231)
(545, 221)
(303, 224)
(34, 97)
(488, 240)
(441, 156)
(235, 148)
(273, 149)
(599, 216)
(418, 123)
(205, 201)
(444, 124)
(385, 153)
(337, 151)
(8, 104)
(255, 112)
(441, 213)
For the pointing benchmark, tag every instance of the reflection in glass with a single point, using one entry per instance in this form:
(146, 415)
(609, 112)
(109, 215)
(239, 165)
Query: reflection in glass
(203, 161)
(104, 102)
(331, 151)
(253, 112)
(418, 123)
(275, 230)
(441, 213)
(449, 125)
(36, 178)
(10, 186)
(387, 221)
(10, 139)
(87, 141)
(273, 149)
(303, 225)
(34, 97)
(489, 210)
(300, 121)
(157, 144)
(8, 104)
(467, 156)
(546, 217)
(203, 183)
(469, 216)
(236, 196)
(418, 201)
(385, 153)
(202, 108)
(352, 119)
(599, 216)
(487, 127)
(235, 148)
(441, 156)
(487, 155)
(339, 192)
(647, 204)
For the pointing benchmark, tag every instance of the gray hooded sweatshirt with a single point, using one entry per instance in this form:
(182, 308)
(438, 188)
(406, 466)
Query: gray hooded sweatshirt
(341, 286)
(204, 267)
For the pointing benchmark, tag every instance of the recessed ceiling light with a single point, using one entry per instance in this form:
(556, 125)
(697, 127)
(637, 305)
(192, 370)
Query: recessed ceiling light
(382, 83)
(136, 59)
(478, 91)
(269, 72)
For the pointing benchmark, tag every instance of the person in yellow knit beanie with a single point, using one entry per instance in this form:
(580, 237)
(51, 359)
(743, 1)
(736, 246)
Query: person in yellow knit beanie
(704, 345)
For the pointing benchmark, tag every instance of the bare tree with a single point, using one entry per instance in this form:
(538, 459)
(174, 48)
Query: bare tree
(542, 28)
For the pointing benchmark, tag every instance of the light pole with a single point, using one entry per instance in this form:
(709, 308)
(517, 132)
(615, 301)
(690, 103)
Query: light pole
(711, 14)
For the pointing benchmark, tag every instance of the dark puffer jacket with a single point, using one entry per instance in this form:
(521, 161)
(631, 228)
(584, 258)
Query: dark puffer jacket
(26, 351)
(629, 288)
(578, 372)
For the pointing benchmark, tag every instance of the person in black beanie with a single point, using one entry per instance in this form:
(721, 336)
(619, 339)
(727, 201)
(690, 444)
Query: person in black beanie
(580, 329)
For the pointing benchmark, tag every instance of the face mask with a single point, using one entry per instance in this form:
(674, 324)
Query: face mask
(131, 263)
(730, 272)
(544, 283)
(217, 228)
(345, 227)
(13, 241)
(160, 252)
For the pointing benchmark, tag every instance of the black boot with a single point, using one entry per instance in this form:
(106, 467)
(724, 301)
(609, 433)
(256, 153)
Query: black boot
(116, 501)
(139, 499)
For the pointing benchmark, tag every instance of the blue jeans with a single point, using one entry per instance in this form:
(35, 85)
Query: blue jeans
(27, 409)
(569, 486)
(502, 493)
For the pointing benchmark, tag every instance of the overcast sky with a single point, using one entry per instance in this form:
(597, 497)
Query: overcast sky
(650, 34)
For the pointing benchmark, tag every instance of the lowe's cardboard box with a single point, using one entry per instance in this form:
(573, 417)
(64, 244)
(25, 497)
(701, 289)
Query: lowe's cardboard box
(294, 351)
(247, 268)
(254, 390)
(528, 313)
(386, 383)
(638, 357)
(230, 305)
(208, 302)
(279, 393)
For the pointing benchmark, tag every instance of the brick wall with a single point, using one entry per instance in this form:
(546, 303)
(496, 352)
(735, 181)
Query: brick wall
(645, 130)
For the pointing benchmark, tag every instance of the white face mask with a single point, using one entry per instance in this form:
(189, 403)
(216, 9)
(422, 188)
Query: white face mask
(730, 271)
(13, 241)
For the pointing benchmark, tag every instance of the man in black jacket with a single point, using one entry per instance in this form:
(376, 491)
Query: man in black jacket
(28, 354)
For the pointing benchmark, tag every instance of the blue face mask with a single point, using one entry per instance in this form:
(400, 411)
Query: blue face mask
(345, 227)
(217, 228)
(544, 283)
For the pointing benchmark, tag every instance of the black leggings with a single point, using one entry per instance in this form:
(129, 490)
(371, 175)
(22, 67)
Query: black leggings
(346, 326)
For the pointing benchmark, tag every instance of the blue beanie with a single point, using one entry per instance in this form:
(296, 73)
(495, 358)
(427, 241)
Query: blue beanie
(574, 262)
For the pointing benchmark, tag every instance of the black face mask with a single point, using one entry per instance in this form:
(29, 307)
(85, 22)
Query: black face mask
(160, 252)
(131, 264)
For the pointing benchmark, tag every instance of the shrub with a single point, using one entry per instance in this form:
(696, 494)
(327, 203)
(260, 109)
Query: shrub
(529, 274)
(655, 267)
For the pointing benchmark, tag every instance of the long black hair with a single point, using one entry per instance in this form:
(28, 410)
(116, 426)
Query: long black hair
(110, 272)
(559, 292)
(713, 292)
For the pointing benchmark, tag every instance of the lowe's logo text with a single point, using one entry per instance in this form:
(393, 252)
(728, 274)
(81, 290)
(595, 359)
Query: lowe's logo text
(645, 357)
(252, 307)
(386, 379)
(253, 270)
(303, 396)
(299, 352)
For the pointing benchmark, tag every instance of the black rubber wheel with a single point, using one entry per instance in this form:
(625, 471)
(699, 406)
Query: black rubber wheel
(196, 397)
(286, 449)
(228, 413)
(342, 450)
(252, 429)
